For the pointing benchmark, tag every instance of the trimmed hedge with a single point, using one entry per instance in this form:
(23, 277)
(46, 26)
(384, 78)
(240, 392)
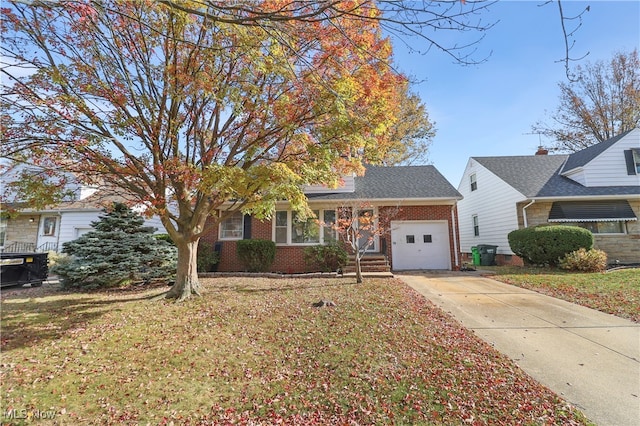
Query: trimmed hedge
(547, 244)
(256, 255)
(325, 258)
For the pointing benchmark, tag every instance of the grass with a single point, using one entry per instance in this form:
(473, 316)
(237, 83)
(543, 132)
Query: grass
(616, 292)
(255, 351)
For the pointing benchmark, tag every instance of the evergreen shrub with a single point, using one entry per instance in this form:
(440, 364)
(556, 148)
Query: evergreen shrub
(325, 258)
(547, 244)
(119, 251)
(256, 255)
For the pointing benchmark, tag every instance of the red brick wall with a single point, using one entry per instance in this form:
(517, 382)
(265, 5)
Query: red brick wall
(290, 259)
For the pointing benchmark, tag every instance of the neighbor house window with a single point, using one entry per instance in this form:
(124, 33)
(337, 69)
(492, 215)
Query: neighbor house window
(49, 226)
(476, 226)
(232, 227)
(290, 228)
(632, 158)
(474, 182)
(609, 227)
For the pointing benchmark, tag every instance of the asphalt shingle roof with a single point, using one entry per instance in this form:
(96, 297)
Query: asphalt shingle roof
(539, 175)
(527, 174)
(396, 182)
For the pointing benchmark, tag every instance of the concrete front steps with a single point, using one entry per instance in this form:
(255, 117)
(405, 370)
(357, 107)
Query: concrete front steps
(371, 265)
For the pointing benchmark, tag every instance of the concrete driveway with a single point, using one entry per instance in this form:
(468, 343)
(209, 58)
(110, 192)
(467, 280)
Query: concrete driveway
(589, 358)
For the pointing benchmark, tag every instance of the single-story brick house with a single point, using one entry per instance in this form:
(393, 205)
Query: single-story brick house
(423, 234)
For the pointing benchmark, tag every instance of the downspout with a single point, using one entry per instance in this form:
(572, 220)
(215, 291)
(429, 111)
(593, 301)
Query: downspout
(524, 213)
(455, 236)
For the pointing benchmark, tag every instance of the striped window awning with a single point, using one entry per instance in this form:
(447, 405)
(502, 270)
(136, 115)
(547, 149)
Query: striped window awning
(591, 211)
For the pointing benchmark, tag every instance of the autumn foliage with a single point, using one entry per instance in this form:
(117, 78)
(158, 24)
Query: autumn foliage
(193, 116)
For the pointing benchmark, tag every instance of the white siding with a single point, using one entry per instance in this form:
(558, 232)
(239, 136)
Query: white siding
(494, 202)
(14, 173)
(73, 224)
(348, 185)
(609, 168)
(72, 221)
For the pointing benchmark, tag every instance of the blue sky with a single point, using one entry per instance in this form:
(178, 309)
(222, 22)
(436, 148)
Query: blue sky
(488, 109)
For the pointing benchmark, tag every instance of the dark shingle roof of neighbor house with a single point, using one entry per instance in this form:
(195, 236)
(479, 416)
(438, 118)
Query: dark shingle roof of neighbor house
(528, 174)
(584, 156)
(396, 182)
(539, 176)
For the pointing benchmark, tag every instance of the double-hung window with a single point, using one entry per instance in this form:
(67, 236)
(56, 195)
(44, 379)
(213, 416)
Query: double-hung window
(473, 180)
(476, 226)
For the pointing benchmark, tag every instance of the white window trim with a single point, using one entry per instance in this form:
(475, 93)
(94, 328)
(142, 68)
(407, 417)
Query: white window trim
(56, 226)
(473, 182)
(289, 242)
(636, 159)
(475, 222)
(221, 238)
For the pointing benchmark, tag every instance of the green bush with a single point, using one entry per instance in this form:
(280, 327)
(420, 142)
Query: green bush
(325, 258)
(546, 245)
(206, 257)
(256, 255)
(585, 260)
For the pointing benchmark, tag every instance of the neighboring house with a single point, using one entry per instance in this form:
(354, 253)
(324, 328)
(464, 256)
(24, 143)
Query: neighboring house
(423, 232)
(46, 230)
(597, 188)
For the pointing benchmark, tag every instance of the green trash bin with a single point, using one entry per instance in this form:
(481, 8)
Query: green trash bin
(487, 254)
(475, 255)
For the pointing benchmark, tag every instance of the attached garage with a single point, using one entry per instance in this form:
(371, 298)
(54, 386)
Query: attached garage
(420, 245)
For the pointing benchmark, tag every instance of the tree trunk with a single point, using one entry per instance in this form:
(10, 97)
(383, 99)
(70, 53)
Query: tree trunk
(187, 283)
(358, 269)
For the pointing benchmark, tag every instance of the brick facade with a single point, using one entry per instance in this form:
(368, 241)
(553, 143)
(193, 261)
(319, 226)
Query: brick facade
(290, 259)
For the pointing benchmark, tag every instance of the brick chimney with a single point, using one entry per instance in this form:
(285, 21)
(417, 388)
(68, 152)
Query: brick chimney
(542, 151)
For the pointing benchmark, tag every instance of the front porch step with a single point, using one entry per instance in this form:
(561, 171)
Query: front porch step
(368, 263)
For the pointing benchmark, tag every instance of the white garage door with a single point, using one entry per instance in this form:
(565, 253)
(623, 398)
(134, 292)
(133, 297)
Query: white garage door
(420, 245)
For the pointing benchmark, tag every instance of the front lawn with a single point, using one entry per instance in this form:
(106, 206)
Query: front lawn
(255, 351)
(615, 292)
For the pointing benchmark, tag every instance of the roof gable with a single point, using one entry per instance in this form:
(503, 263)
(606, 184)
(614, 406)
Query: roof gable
(585, 156)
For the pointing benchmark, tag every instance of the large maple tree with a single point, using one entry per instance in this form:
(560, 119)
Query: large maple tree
(191, 115)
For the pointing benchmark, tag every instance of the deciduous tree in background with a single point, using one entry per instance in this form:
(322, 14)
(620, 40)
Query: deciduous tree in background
(188, 114)
(602, 102)
(411, 135)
